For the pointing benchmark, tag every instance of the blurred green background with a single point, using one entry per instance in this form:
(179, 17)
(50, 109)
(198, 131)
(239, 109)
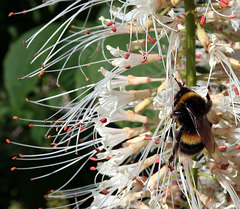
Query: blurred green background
(16, 189)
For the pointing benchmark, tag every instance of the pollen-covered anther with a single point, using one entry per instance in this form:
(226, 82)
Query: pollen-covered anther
(103, 120)
(21, 155)
(8, 141)
(147, 138)
(203, 20)
(127, 66)
(36, 54)
(93, 159)
(108, 158)
(232, 16)
(14, 158)
(15, 117)
(27, 100)
(127, 55)
(151, 39)
(223, 147)
(30, 125)
(87, 31)
(104, 191)
(93, 168)
(10, 14)
(110, 23)
(13, 168)
(114, 29)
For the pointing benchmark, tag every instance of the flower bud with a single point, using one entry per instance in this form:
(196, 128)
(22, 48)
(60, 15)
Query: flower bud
(203, 37)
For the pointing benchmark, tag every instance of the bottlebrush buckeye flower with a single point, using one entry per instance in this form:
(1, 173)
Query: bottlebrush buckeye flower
(124, 121)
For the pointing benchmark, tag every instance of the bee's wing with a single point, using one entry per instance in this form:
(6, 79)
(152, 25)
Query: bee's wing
(203, 129)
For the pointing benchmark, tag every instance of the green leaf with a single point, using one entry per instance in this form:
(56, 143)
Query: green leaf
(17, 64)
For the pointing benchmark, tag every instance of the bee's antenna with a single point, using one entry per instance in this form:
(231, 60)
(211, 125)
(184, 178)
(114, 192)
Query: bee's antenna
(179, 84)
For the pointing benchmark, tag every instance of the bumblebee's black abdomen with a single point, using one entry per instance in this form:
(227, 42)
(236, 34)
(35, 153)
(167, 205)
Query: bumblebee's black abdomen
(190, 143)
(191, 149)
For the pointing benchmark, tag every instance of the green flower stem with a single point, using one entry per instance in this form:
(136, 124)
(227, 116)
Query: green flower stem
(190, 56)
(190, 43)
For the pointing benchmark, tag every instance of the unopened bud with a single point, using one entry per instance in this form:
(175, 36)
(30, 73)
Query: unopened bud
(143, 105)
(203, 37)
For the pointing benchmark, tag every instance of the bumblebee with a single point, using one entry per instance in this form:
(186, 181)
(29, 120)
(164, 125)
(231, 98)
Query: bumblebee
(190, 111)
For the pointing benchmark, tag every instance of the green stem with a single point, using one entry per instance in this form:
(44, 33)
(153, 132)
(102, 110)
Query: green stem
(190, 56)
(190, 43)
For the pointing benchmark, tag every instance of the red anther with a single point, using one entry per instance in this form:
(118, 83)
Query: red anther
(15, 117)
(222, 4)
(87, 31)
(30, 125)
(19, 79)
(69, 129)
(93, 159)
(52, 122)
(93, 168)
(60, 119)
(159, 57)
(171, 168)
(43, 1)
(21, 155)
(32, 179)
(42, 65)
(110, 23)
(36, 54)
(52, 190)
(108, 158)
(76, 153)
(8, 141)
(24, 11)
(78, 124)
(238, 147)
(225, 1)
(87, 79)
(73, 26)
(44, 196)
(103, 120)
(134, 178)
(42, 72)
(127, 66)
(147, 138)
(222, 147)
(57, 129)
(27, 100)
(164, 203)
(65, 128)
(224, 166)
(98, 150)
(151, 39)
(24, 43)
(14, 158)
(10, 14)
(53, 144)
(231, 16)
(13, 168)
(58, 85)
(156, 141)
(203, 20)
(236, 91)
(104, 191)
(210, 89)
(82, 128)
(127, 55)
(114, 29)
(49, 136)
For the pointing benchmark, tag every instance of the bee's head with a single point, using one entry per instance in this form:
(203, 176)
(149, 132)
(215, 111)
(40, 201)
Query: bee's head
(183, 90)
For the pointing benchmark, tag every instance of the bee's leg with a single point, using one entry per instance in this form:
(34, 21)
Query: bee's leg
(209, 103)
(176, 146)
